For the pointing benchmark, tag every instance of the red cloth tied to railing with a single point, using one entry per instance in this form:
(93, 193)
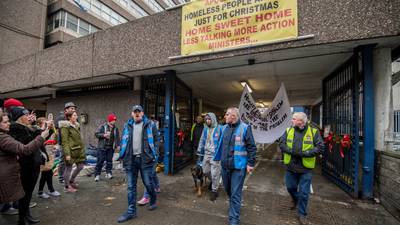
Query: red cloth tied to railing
(345, 143)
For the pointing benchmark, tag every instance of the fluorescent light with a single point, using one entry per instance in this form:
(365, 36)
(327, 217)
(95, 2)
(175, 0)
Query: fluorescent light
(244, 83)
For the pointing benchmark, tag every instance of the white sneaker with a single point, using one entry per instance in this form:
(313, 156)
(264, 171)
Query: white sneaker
(43, 195)
(54, 194)
(109, 176)
(97, 178)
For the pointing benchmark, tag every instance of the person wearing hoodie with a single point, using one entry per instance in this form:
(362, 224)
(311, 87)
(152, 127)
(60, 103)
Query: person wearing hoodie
(208, 143)
(139, 149)
(74, 150)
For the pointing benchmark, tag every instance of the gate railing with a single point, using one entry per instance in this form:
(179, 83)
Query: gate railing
(341, 116)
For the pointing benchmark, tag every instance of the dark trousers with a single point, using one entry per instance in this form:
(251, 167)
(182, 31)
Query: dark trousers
(132, 175)
(233, 180)
(46, 177)
(104, 155)
(29, 177)
(61, 167)
(298, 186)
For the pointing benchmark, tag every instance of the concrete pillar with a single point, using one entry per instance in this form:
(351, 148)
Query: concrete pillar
(137, 83)
(200, 100)
(383, 95)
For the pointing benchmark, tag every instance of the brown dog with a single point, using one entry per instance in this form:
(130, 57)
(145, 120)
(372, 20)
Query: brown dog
(199, 179)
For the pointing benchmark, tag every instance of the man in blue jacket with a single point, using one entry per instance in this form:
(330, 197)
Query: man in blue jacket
(237, 153)
(139, 151)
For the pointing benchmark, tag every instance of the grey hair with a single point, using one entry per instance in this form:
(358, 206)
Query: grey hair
(301, 116)
(234, 109)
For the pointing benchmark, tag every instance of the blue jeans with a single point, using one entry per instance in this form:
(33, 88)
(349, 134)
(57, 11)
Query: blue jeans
(156, 182)
(298, 186)
(132, 175)
(233, 183)
(104, 155)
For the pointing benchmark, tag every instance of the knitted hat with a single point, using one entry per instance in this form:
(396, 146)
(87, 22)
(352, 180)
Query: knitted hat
(12, 102)
(111, 117)
(17, 112)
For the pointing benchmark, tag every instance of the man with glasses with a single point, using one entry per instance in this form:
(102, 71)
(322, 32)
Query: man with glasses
(139, 150)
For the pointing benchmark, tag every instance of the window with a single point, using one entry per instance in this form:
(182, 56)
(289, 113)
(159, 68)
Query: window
(132, 7)
(154, 5)
(83, 28)
(96, 7)
(93, 29)
(72, 22)
(170, 3)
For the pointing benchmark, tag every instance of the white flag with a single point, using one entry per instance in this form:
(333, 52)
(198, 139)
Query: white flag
(271, 125)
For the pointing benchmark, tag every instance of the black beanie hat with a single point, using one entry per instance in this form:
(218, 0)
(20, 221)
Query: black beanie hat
(17, 112)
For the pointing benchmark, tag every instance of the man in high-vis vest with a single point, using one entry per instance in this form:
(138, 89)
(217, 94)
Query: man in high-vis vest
(300, 144)
(206, 151)
(139, 151)
(237, 153)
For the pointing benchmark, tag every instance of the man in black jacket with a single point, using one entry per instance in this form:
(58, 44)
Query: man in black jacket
(196, 131)
(108, 136)
(300, 145)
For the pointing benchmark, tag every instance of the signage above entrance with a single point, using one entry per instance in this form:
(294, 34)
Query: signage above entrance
(215, 25)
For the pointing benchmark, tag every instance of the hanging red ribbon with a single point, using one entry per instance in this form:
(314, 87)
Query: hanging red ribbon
(181, 137)
(329, 141)
(345, 143)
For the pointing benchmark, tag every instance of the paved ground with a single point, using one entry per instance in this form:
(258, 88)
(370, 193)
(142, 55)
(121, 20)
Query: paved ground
(265, 202)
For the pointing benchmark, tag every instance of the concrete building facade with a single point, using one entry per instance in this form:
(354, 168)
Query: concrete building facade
(91, 69)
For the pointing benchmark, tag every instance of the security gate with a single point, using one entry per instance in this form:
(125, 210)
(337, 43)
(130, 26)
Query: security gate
(342, 122)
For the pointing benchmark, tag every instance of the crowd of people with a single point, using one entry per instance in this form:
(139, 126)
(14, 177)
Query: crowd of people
(29, 147)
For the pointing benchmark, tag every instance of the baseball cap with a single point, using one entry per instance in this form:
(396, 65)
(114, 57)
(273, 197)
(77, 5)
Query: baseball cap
(137, 108)
(111, 117)
(69, 104)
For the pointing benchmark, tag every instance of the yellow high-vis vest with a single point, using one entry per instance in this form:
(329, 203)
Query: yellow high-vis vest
(308, 144)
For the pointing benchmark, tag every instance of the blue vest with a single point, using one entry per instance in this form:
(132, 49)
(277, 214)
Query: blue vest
(216, 135)
(239, 148)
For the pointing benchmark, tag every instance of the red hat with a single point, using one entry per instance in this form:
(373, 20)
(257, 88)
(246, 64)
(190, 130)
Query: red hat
(12, 102)
(111, 117)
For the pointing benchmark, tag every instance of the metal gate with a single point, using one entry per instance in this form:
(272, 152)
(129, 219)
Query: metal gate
(342, 115)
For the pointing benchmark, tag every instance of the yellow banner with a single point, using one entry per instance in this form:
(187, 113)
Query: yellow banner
(212, 25)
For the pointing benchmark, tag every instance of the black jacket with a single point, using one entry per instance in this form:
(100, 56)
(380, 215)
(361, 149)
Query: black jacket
(25, 135)
(296, 164)
(228, 143)
(101, 130)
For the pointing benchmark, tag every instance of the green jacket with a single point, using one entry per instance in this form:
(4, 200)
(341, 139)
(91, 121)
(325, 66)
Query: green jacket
(72, 143)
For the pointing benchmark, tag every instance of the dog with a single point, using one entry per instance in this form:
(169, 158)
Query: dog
(199, 179)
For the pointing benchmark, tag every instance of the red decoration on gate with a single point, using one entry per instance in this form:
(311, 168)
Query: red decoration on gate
(345, 143)
(181, 137)
(330, 141)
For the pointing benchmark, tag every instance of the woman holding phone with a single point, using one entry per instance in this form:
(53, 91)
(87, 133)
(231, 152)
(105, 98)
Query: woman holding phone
(12, 186)
(73, 147)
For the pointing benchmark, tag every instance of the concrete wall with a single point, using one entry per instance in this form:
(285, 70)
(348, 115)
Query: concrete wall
(148, 42)
(22, 28)
(396, 96)
(93, 104)
(388, 181)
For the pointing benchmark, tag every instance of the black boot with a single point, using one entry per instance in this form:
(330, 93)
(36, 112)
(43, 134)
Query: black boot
(214, 196)
(23, 222)
(31, 219)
